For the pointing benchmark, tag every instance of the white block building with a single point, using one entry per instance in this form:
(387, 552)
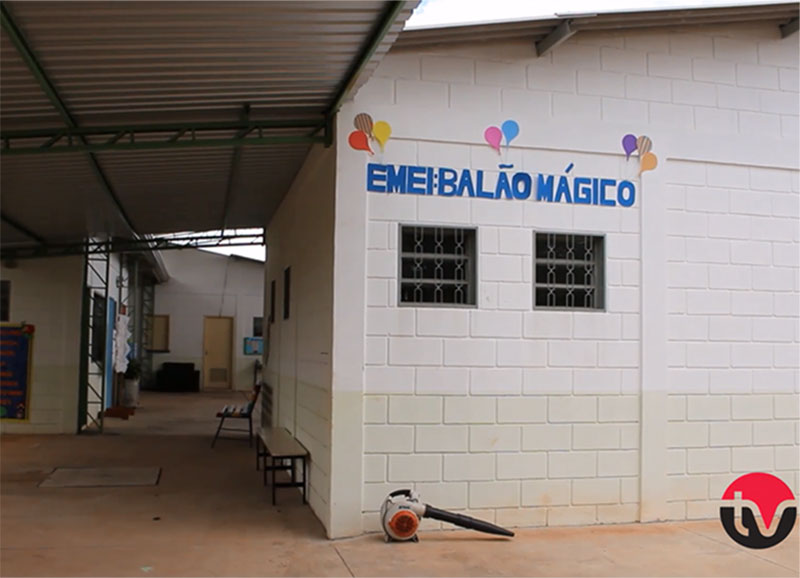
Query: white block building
(618, 348)
(546, 273)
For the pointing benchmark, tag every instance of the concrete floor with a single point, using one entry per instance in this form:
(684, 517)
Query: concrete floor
(210, 516)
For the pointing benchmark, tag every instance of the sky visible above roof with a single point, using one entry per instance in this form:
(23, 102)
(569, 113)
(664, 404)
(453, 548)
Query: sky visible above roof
(438, 13)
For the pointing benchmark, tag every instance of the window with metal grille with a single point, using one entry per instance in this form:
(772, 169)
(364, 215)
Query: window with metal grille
(569, 271)
(437, 266)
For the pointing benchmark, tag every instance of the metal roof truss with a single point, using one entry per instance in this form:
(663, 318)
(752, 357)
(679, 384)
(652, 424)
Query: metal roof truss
(162, 243)
(164, 136)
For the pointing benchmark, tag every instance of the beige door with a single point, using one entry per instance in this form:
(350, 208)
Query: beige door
(217, 343)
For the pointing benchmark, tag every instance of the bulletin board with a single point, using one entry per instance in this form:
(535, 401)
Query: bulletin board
(16, 361)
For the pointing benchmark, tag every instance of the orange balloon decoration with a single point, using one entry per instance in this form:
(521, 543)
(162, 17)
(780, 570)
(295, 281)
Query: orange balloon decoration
(359, 141)
(648, 162)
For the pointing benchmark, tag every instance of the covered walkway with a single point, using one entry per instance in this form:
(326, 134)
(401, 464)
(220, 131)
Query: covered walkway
(210, 516)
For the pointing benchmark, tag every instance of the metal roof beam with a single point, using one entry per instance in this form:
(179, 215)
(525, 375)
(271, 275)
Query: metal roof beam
(233, 172)
(382, 27)
(557, 36)
(300, 123)
(160, 136)
(28, 56)
(789, 28)
(22, 228)
(134, 145)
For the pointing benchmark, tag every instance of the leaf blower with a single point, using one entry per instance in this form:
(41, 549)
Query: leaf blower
(401, 512)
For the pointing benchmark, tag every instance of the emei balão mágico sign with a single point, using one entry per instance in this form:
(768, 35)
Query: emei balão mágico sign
(447, 182)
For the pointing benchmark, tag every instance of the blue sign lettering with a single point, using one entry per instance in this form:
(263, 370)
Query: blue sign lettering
(376, 178)
(447, 182)
(396, 179)
(416, 180)
(544, 188)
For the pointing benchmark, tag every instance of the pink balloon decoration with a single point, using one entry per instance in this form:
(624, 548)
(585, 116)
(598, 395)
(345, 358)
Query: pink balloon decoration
(493, 136)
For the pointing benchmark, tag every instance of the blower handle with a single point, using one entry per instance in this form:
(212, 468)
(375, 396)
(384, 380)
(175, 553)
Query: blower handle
(404, 492)
(465, 521)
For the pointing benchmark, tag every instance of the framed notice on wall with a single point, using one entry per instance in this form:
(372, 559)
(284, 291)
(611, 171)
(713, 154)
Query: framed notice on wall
(16, 360)
(253, 345)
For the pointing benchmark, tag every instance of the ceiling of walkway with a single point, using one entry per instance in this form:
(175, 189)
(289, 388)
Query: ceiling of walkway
(134, 118)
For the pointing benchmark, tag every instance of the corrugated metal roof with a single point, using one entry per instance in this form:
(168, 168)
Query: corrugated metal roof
(538, 29)
(112, 61)
(21, 98)
(139, 63)
(55, 196)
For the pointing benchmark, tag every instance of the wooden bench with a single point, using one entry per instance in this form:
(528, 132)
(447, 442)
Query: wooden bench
(283, 451)
(238, 412)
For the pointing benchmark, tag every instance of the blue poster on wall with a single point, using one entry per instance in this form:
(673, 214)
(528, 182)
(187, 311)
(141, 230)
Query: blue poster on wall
(16, 359)
(253, 346)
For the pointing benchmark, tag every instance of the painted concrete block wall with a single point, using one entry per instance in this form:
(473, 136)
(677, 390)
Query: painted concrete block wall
(207, 284)
(47, 294)
(300, 236)
(531, 417)
(733, 351)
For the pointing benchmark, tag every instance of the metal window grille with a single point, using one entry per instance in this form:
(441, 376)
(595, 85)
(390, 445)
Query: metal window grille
(437, 266)
(569, 271)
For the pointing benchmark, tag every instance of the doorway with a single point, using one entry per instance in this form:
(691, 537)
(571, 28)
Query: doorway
(217, 350)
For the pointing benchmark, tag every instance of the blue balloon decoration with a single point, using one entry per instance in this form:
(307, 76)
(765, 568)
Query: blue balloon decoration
(510, 130)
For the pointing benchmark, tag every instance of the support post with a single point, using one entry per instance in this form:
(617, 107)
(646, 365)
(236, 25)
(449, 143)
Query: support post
(233, 172)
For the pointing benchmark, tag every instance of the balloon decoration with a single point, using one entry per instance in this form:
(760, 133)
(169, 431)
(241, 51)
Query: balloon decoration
(647, 160)
(628, 145)
(363, 122)
(367, 130)
(382, 131)
(494, 135)
(510, 130)
(644, 144)
(359, 141)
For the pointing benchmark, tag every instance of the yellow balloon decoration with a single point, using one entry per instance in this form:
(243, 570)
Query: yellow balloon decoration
(381, 130)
